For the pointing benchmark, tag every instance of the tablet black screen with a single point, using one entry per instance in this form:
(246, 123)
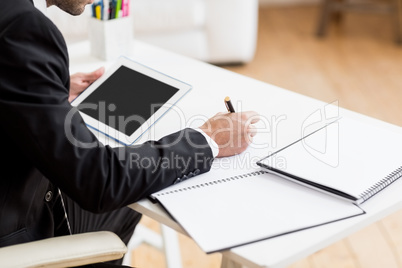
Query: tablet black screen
(126, 100)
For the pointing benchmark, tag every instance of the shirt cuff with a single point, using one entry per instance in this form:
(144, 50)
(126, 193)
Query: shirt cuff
(212, 144)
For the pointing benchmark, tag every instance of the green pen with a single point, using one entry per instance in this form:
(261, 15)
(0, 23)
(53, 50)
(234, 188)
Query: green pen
(118, 8)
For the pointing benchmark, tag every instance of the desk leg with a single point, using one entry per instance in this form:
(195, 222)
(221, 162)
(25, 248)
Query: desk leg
(228, 263)
(171, 246)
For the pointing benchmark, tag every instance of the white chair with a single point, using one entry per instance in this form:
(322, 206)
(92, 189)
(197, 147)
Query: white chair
(216, 31)
(64, 251)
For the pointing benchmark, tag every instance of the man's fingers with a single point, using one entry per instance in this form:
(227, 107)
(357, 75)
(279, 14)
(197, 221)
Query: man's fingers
(90, 77)
(252, 117)
(255, 119)
(252, 130)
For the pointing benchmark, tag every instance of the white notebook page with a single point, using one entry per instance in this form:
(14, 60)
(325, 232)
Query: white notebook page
(348, 155)
(243, 210)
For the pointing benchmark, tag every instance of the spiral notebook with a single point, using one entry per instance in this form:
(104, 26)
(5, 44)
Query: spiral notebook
(224, 212)
(348, 158)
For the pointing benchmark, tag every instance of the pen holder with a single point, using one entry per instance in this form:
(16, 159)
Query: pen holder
(110, 39)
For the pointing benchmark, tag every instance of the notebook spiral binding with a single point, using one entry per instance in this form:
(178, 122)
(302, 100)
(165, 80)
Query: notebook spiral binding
(393, 176)
(207, 184)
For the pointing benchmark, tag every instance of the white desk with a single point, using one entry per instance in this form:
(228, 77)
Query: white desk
(289, 110)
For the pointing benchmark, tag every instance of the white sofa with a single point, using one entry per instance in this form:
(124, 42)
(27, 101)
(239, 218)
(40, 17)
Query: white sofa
(216, 31)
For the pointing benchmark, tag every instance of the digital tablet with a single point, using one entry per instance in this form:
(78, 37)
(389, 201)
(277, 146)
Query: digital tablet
(128, 99)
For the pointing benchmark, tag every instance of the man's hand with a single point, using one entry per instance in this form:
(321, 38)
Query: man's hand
(80, 81)
(233, 132)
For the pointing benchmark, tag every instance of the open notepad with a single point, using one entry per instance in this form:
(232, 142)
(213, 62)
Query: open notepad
(347, 158)
(221, 212)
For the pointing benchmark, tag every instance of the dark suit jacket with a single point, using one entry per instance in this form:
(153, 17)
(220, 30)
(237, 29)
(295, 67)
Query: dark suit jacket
(37, 157)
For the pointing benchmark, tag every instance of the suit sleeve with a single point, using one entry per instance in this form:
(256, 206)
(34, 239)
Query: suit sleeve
(36, 115)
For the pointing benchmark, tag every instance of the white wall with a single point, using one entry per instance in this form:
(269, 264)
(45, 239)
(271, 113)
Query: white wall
(287, 2)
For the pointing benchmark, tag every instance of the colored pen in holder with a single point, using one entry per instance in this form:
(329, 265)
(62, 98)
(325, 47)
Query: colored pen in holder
(110, 9)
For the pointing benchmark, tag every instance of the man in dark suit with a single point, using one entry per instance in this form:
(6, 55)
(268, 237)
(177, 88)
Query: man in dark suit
(38, 160)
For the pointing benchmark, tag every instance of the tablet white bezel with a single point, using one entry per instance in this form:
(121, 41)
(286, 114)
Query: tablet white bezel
(115, 134)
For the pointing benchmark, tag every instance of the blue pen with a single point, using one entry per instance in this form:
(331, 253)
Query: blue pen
(93, 10)
(103, 10)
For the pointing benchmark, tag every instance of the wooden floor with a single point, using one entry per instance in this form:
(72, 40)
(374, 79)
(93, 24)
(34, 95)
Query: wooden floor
(357, 64)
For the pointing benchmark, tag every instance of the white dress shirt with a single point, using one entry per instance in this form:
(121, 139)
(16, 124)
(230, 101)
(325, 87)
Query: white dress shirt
(211, 142)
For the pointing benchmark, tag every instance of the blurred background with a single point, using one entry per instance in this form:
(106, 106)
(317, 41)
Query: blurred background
(345, 51)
